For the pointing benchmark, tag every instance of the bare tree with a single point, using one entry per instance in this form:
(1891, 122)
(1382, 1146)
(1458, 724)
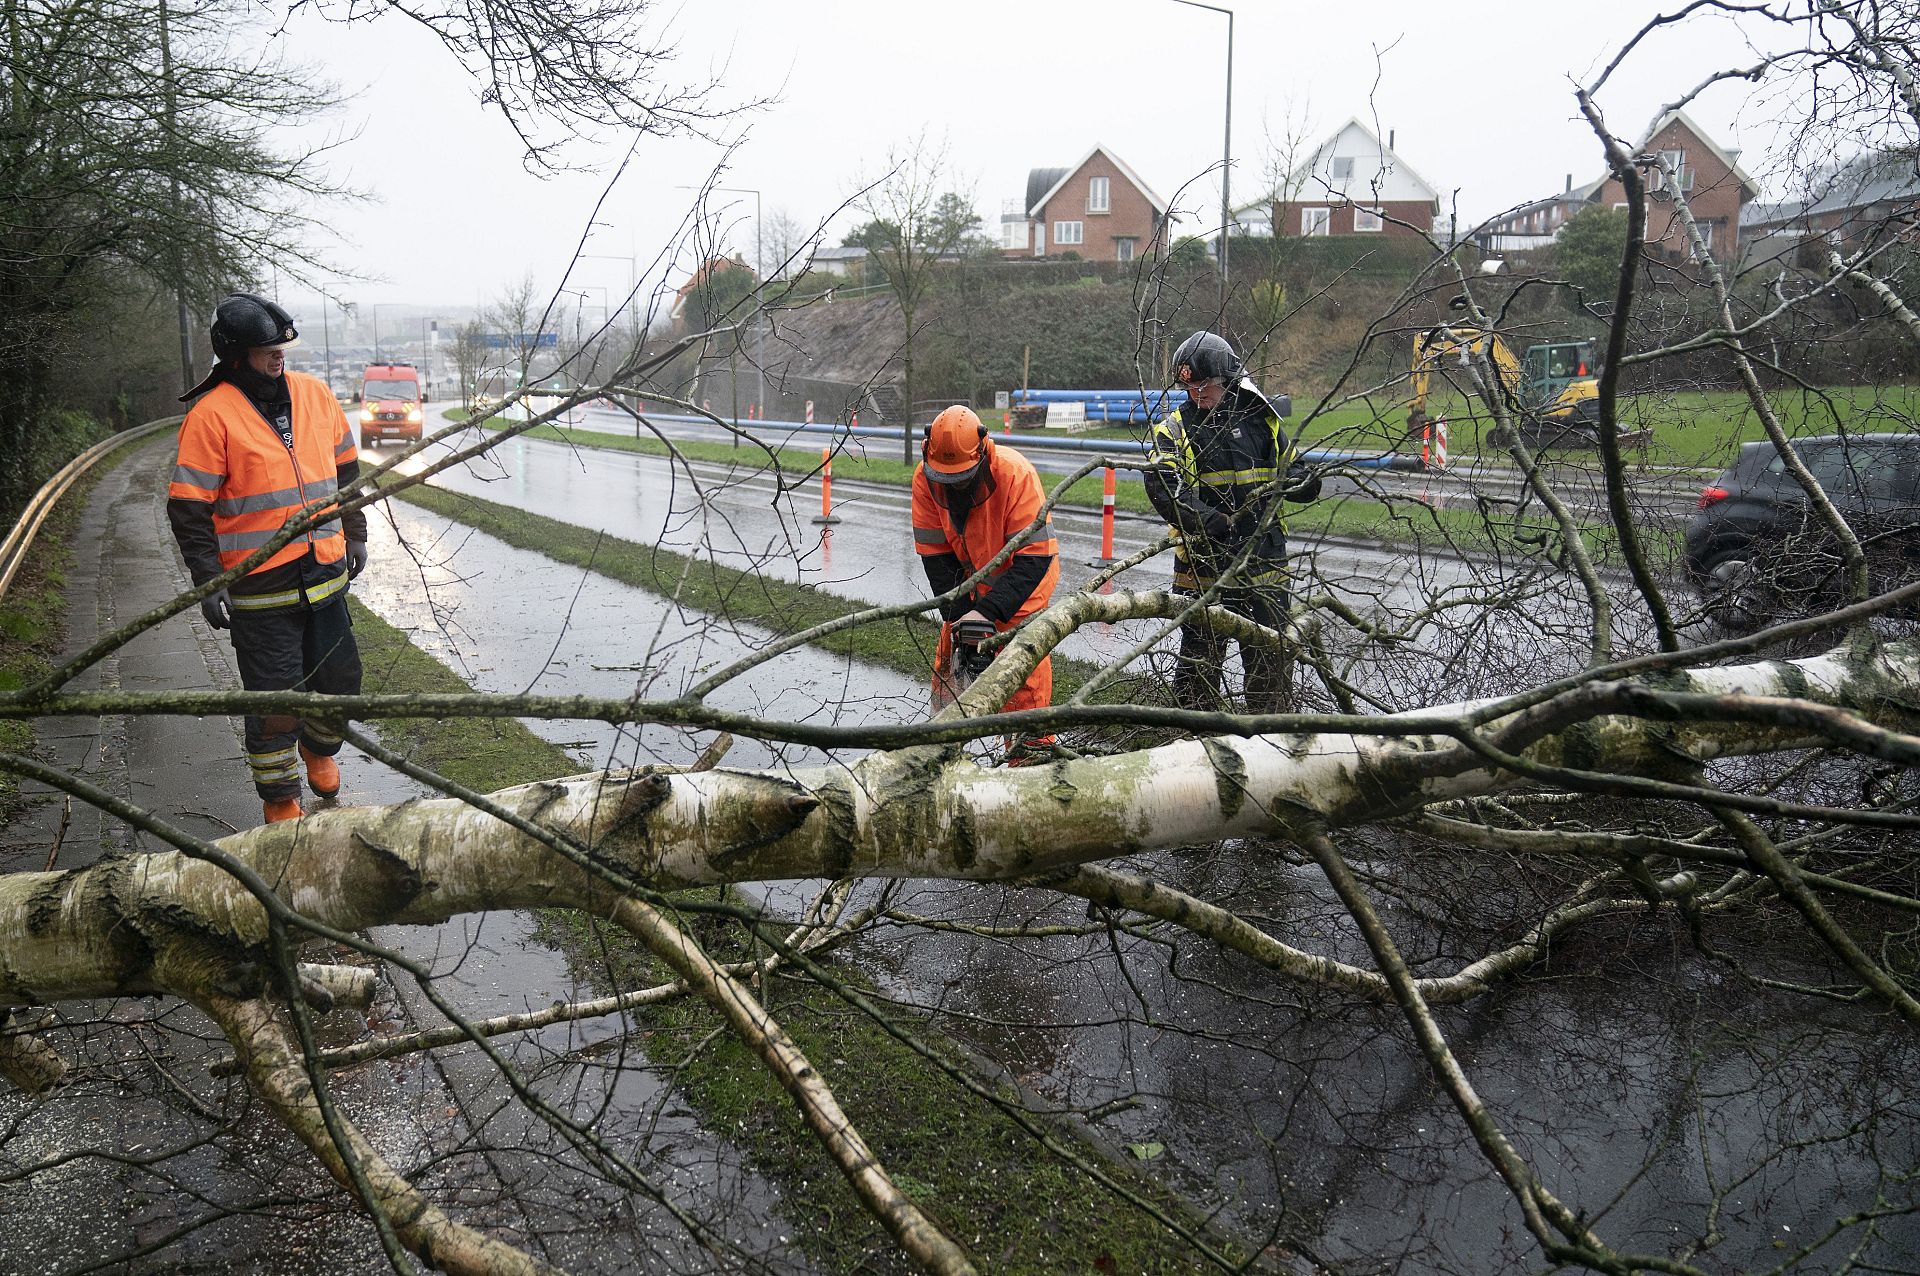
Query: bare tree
(917, 221)
(1560, 926)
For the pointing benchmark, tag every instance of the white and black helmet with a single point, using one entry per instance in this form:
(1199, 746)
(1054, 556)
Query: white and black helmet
(1206, 356)
(246, 322)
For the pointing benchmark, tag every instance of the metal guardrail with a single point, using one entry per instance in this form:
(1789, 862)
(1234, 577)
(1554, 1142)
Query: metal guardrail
(13, 550)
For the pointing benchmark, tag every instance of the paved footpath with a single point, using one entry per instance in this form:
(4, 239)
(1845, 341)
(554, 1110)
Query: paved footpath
(189, 771)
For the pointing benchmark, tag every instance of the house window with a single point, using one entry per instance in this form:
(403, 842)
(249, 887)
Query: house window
(1065, 233)
(1123, 249)
(1706, 232)
(1367, 219)
(1682, 179)
(1097, 201)
(1343, 168)
(1316, 221)
(1013, 234)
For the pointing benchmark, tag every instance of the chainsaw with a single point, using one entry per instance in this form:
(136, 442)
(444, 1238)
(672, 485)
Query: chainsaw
(969, 660)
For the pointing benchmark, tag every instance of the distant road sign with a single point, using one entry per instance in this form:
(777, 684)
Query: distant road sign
(520, 340)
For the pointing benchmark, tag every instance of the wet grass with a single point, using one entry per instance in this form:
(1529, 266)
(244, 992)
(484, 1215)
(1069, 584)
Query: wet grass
(1689, 429)
(32, 627)
(984, 1181)
(1359, 518)
(991, 1185)
(33, 612)
(903, 644)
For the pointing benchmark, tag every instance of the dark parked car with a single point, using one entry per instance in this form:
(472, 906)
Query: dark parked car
(1756, 552)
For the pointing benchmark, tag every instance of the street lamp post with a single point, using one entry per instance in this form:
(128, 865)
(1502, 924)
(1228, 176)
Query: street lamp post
(1226, 153)
(606, 313)
(631, 275)
(326, 327)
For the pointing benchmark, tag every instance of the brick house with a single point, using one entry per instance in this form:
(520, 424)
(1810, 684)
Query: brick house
(1874, 195)
(706, 270)
(1351, 184)
(1532, 225)
(1098, 208)
(1710, 178)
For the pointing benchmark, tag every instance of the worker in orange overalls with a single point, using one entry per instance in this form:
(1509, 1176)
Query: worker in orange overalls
(970, 497)
(259, 446)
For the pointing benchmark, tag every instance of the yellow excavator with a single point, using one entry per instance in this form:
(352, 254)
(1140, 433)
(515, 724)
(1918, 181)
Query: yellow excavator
(1551, 390)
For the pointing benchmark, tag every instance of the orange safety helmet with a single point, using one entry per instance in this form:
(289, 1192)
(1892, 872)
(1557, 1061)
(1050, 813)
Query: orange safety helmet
(956, 445)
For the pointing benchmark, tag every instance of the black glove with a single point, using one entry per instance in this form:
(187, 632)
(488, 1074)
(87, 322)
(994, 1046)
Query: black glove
(356, 559)
(1245, 522)
(218, 609)
(1303, 484)
(1219, 528)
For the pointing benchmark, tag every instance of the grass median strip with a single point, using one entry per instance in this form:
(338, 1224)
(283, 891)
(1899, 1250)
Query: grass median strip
(783, 607)
(1015, 1205)
(1407, 521)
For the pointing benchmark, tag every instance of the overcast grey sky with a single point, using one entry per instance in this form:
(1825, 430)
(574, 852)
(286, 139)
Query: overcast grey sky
(1479, 98)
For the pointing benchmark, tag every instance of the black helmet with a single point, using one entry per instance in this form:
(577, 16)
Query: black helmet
(1206, 357)
(246, 322)
(241, 323)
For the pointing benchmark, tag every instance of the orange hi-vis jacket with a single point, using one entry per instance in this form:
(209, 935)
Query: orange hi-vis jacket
(233, 458)
(1013, 504)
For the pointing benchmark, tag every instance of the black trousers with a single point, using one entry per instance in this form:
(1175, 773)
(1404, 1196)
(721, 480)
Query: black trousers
(302, 647)
(1203, 653)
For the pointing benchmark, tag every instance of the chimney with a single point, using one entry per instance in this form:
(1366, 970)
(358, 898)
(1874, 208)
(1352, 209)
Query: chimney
(1389, 139)
(1569, 183)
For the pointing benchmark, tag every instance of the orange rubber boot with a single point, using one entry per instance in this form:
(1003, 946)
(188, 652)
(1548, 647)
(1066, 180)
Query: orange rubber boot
(323, 774)
(284, 809)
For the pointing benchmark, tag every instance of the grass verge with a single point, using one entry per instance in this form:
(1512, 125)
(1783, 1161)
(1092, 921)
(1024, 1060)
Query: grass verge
(482, 753)
(1016, 1207)
(33, 613)
(32, 625)
(986, 1183)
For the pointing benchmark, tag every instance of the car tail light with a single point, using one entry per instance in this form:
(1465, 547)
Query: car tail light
(1712, 496)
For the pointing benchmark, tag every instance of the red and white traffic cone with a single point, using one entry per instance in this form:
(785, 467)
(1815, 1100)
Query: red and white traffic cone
(1106, 522)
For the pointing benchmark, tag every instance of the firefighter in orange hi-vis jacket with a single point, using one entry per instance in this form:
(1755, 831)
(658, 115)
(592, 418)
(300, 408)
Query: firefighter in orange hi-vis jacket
(970, 497)
(259, 447)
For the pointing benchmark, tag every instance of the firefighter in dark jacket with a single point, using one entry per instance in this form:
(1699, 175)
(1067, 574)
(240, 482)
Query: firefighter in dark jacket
(259, 446)
(1216, 464)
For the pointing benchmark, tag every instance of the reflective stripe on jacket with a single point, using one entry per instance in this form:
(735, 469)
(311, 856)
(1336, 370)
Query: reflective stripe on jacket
(233, 459)
(1015, 501)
